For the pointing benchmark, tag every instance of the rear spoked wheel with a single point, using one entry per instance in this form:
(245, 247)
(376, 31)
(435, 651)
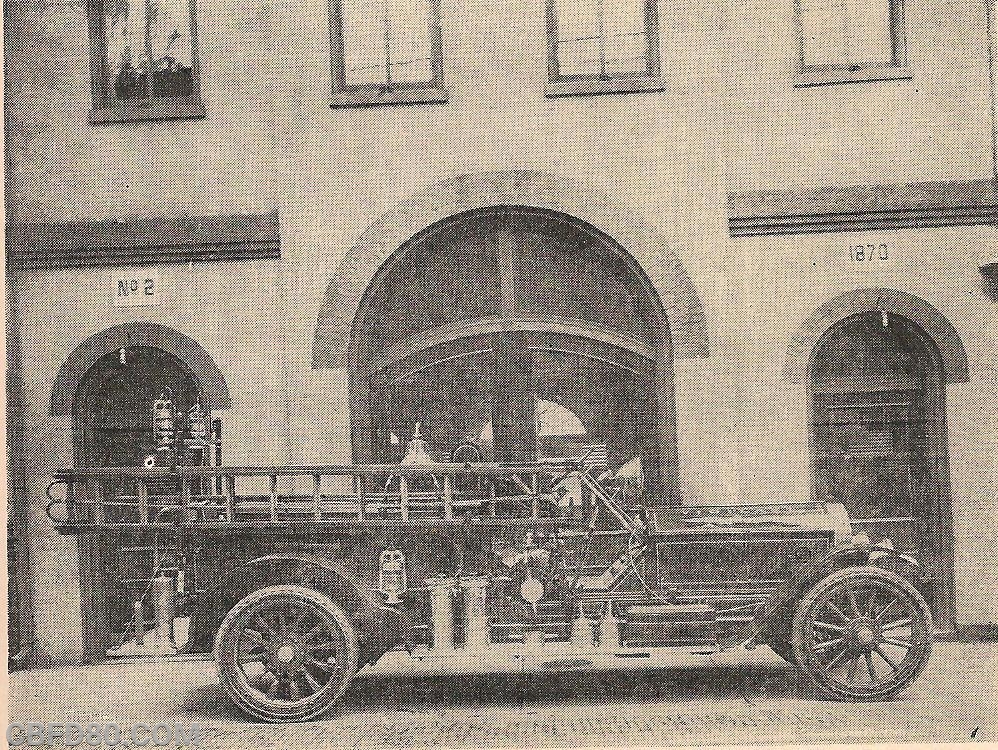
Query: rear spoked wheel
(862, 634)
(286, 653)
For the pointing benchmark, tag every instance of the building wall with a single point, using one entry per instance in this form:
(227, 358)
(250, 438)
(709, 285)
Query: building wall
(795, 275)
(935, 126)
(347, 168)
(233, 310)
(728, 120)
(61, 168)
(799, 142)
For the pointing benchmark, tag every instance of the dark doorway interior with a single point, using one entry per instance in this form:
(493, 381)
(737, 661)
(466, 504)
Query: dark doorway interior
(878, 436)
(112, 420)
(112, 413)
(523, 333)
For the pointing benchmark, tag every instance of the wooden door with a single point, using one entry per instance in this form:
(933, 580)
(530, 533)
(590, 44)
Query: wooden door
(878, 441)
(871, 456)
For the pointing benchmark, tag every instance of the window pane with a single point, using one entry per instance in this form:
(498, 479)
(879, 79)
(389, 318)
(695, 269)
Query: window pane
(409, 43)
(823, 25)
(578, 37)
(846, 32)
(410, 46)
(602, 37)
(363, 42)
(626, 52)
(170, 34)
(869, 31)
(624, 31)
(124, 31)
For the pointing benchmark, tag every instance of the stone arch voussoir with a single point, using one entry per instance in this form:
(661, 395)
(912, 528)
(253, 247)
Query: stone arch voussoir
(915, 309)
(683, 308)
(140, 333)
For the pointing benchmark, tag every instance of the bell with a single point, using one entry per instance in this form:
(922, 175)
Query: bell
(415, 450)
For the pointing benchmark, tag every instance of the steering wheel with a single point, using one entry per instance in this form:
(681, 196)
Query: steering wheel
(458, 456)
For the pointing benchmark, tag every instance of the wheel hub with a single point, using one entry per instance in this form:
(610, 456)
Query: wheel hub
(285, 655)
(862, 634)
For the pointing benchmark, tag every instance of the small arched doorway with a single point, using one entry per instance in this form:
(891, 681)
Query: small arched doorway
(112, 411)
(878, 439)
(488, 319)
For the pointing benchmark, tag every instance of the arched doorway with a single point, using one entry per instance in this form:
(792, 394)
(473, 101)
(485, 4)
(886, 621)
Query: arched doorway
(485, 317)
(112, 410)
(878, 439)
(107, 386)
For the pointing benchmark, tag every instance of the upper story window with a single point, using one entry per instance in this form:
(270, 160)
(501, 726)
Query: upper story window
(386, 52)
(850, 40)
(602, 46)
(144, 60)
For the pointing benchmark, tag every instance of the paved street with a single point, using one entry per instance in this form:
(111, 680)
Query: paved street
(746, 697)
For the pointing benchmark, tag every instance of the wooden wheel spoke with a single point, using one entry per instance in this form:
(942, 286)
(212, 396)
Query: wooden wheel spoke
(323, 665)
(851, 594)
(870, 607)
(886, 658)
(295, 690)
(835, 662)
(312, 682)
(829, 626)
(266, 676)
(838, 612)
(254, 636)
(897, 642)
(327, 646)
(259, 619)
(896, 624)
(869, 667)
(272, 690)
(853, 664)
(317, 630)
(880, 616)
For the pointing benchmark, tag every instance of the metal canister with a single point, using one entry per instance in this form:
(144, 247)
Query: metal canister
(442, 612)
(476, 617)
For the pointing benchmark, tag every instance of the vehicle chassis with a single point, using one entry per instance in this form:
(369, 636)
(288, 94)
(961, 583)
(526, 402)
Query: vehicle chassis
(300, 576)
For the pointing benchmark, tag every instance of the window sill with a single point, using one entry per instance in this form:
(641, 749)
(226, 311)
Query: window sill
(591, 86)
(375, 96)
(828, 76)
(142, 110)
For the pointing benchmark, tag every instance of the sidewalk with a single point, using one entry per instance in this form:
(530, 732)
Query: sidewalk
(746, 697)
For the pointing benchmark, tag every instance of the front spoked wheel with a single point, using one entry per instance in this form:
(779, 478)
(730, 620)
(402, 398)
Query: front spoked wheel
(862, 634)
(286, 653)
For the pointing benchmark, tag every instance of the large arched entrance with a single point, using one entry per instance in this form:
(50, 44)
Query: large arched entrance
(878, 438)
(521, 331)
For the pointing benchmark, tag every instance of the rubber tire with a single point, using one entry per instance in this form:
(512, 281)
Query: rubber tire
(303, 710)
(830, 690)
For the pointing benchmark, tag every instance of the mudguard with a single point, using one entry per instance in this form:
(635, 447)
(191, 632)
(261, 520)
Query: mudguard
(379, 627)
(773, 618)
